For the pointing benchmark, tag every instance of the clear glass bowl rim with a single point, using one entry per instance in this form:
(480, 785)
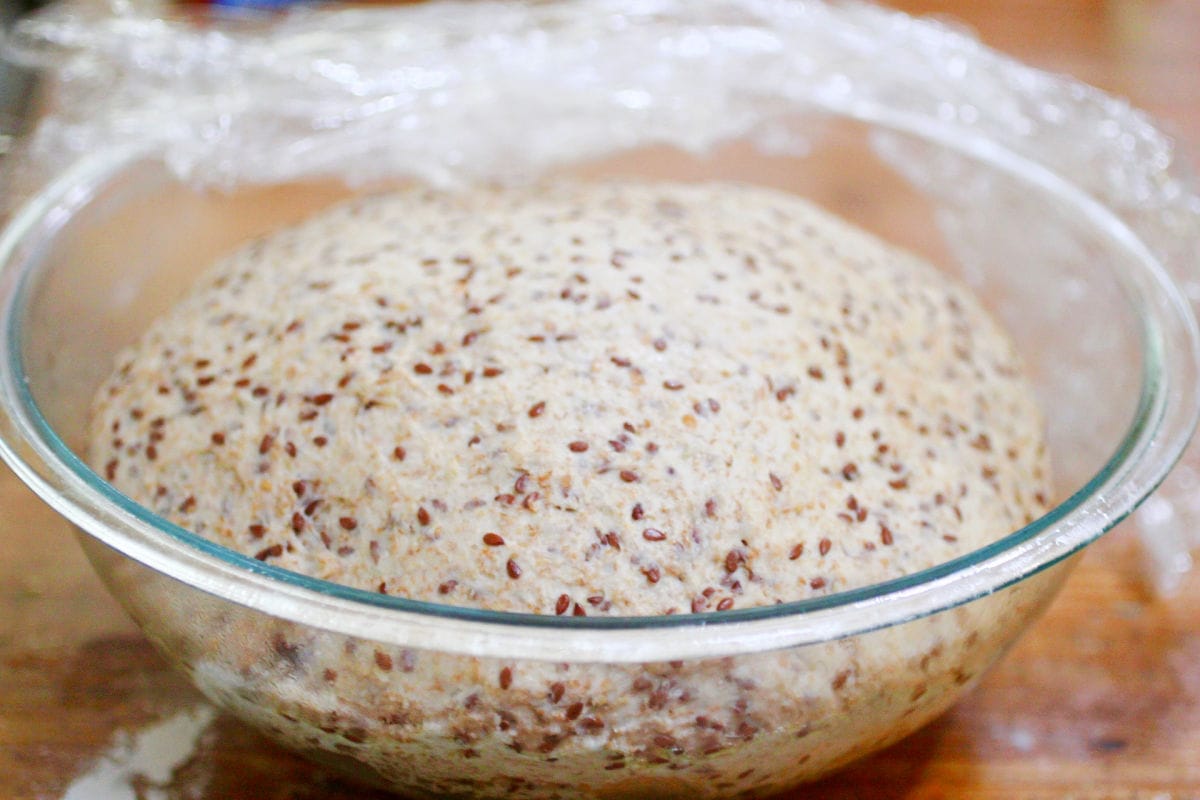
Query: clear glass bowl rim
(1160, 429)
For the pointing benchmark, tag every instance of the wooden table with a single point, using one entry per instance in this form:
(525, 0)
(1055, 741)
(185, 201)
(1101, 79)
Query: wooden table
(1101, 699)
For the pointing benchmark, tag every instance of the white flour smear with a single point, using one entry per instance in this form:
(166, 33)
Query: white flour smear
(151, 755)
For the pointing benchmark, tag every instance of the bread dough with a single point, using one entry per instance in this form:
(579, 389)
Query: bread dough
(579, 398)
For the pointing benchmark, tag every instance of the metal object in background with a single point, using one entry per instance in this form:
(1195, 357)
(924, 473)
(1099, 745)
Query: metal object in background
(261, 4)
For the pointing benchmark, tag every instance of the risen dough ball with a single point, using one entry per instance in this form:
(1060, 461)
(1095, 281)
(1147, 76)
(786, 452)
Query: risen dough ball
(590, 399)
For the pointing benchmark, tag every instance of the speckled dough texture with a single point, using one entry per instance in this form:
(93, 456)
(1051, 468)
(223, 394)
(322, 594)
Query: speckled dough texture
(579, 399)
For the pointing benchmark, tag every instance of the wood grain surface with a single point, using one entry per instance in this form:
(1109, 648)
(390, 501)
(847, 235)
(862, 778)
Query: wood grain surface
(1100, 699)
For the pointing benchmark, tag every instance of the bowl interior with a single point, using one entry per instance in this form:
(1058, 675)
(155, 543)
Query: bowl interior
(1056, 280)
(1068, 286)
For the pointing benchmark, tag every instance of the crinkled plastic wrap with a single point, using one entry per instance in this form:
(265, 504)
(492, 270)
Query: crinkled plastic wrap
(459, 92)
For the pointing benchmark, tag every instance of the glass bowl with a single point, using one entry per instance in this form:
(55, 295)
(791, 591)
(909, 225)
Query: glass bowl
(433, 700)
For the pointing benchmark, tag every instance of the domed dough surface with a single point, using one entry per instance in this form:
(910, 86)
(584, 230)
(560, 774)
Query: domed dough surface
(579, 398)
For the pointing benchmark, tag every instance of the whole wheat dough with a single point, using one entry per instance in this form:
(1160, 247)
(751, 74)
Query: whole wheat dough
(612, 398)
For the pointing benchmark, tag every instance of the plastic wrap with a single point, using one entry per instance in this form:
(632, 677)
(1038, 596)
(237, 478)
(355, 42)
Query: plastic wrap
(452, 93)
